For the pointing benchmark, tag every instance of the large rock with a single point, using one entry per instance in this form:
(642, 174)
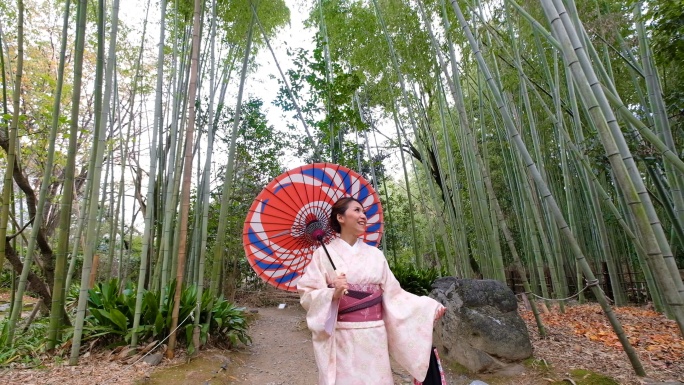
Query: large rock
(481, 328)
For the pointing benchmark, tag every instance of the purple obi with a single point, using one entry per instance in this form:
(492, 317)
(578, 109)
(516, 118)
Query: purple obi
(361, 303)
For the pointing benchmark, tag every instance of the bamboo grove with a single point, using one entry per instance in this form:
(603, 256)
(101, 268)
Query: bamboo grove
(535, 139)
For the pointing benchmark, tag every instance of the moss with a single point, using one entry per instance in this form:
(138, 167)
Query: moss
(538, 365)
(458, 368)
(586, 377)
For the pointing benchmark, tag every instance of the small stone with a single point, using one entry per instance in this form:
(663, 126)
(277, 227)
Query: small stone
(153, 359)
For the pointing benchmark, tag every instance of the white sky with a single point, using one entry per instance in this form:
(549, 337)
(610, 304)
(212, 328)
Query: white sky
(264, 82)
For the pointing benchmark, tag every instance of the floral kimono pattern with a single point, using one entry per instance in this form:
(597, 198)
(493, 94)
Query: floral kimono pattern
(357, 353)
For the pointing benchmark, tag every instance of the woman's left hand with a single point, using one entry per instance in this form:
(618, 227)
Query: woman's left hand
(440, 312)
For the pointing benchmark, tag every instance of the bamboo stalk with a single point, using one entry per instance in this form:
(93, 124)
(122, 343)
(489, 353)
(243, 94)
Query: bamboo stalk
(187, 176)
(149, 215)
(620, 158)
(514, 136)
(8, 183)
(99, 136)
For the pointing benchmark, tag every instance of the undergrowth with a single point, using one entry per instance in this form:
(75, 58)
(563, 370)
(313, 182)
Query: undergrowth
(414, 280)
(110, 315)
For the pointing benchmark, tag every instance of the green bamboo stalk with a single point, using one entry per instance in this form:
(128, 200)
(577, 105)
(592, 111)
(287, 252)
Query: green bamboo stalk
(100, 135)
(666, 199)
(657, 105)
(147, 239)
(168, 255)
(457, 93)
(122, 207)
(4, 85)
(206, 199)
(414, 232)
(562, 285)
(402, 83)
(620, 158)
(328, 72)
(187, 175)
(57, 306)
(114, 210)
(7, 186)
(590, 189)
(388, 208)
(514, 136)
(425, 149)
(131, 122)
(218, 250)
(456, 206)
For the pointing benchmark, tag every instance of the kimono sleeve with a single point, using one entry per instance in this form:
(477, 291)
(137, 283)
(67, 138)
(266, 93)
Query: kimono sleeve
(409, 321)
(317, 298)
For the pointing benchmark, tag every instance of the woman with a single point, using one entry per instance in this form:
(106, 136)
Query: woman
(376, 317)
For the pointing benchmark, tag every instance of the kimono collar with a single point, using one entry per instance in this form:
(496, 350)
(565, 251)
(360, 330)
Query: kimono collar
(343, 244)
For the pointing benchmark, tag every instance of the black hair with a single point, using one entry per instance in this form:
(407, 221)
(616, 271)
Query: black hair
(340, 207)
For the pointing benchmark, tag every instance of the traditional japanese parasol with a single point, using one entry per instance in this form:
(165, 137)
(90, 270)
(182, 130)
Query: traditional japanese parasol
(288, 220)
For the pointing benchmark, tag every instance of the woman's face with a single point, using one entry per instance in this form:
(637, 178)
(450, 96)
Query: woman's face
(354, 219)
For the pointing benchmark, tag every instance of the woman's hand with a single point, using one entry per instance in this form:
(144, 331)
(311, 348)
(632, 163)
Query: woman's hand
(440, 312)
(340, 285)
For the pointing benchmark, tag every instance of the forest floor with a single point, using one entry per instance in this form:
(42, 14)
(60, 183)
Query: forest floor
(579, 345)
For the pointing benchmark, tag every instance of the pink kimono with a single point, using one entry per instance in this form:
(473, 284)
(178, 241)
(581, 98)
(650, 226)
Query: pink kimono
(357, 353)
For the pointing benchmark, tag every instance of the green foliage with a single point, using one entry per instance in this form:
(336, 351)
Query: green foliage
(235, 18)
(27, 345)
(5, 278)
(109, 310)
(111, 314)
(665, 19)
(667, 29)
(327, 91)
(110, 318)
(413, 280)
(357, 41)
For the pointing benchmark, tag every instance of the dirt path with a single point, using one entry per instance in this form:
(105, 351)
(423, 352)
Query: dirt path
(281, 351)
(281, 354)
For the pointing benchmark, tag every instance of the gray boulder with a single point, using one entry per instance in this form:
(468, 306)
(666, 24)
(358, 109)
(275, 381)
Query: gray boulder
(481, 328)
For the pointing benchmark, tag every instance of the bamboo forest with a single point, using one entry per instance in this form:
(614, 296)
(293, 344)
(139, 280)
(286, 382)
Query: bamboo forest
(535, 143)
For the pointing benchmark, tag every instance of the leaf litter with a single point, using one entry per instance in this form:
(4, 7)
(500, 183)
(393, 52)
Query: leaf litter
(581, 338)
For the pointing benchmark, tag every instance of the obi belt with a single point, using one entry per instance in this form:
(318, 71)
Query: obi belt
(361, 303)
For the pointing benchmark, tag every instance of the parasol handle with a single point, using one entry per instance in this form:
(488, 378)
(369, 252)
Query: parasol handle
(318, 234)
(328, 254)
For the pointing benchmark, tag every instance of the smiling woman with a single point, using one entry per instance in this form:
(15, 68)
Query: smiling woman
(348, 218)
(357, 311)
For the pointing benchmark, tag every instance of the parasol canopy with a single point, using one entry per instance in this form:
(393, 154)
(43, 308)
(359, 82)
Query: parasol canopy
(289, 215)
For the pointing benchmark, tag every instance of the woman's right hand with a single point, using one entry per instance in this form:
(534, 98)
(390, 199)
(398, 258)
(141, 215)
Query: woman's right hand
(340, 285)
